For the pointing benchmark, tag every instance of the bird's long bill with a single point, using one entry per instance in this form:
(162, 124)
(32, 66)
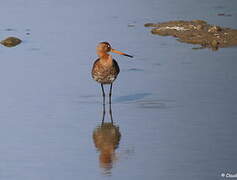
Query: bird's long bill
(121, 53)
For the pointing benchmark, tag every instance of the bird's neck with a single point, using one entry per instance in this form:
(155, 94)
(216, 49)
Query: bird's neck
(106, 59)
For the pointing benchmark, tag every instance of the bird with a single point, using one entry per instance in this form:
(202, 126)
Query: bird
(106, 69)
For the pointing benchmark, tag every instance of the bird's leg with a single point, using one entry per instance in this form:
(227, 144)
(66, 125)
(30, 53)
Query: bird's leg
(103, 116)
(110, 92)
(110, 113)
(103, 93)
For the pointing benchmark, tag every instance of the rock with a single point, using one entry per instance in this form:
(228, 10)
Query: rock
(214, 45)
(150, 25)
(197, 32)
(197, 21)
(11, 41)
(159, 31)
(199, 27)
(214, 29)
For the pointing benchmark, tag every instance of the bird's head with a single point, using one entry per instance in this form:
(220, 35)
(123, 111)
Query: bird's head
(104, 48)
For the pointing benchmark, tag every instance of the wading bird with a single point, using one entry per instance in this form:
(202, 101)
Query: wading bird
(105, 69)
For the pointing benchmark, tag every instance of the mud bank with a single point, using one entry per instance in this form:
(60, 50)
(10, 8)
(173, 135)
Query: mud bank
(197, 32)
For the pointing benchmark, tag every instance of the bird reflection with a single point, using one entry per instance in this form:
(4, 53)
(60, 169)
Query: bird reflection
(106, 138)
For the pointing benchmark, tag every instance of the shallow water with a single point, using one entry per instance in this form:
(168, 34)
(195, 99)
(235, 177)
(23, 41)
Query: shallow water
(175, 107)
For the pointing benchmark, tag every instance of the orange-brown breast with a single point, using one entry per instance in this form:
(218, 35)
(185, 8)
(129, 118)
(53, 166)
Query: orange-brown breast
(105, 74)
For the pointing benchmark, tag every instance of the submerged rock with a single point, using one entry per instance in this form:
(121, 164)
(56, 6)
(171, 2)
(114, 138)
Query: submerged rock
(11, 41)
(196, 32)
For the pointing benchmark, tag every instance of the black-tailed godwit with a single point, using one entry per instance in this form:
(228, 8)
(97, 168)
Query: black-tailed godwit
(105, 69)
